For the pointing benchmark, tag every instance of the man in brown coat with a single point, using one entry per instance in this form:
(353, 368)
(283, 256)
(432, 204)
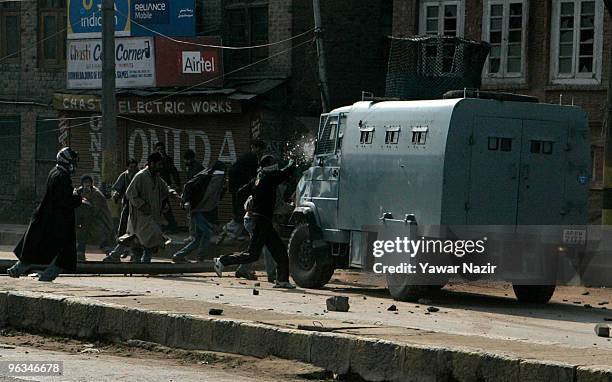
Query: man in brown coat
(147, 194)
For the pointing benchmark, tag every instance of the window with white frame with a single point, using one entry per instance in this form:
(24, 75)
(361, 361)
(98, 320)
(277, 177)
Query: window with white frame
(505, 28)
(577, 34)
(441, 17)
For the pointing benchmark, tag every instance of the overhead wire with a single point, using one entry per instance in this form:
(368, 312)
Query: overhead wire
(178, 91)
(224, 47)
(230, 72)
(38, 42)
(50, 130)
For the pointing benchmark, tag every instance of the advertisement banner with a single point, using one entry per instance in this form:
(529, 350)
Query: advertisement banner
(170, 18)
(85, 18)
(189, 65)
(134, 60)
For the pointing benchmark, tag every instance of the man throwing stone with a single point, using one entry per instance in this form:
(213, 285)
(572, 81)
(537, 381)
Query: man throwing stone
(263, 190)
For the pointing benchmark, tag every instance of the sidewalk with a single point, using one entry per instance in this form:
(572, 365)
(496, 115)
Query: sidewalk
(376, 351)
(10, 234)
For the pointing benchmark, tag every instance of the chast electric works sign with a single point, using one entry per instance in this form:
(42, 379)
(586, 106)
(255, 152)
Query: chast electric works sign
(134, 63)
(136, 18)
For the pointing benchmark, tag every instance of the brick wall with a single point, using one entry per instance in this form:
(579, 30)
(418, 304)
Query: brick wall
(591, 98)
(26, 91)
(356, 49)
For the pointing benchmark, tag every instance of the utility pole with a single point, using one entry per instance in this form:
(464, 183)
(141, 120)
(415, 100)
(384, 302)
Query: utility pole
(109, 118)
(316, 6)
(606, 213)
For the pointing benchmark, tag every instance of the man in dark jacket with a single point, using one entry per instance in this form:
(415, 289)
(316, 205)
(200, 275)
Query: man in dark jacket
(241, 173)
(51, 238)
(263, 191)
(192, 168)
(202, 203)
(170, 175)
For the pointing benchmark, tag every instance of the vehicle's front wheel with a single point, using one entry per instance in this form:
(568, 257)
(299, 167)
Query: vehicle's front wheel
(308, 269)
(534, 294)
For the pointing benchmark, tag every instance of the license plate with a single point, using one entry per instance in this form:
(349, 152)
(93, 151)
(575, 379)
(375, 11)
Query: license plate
(574, 236)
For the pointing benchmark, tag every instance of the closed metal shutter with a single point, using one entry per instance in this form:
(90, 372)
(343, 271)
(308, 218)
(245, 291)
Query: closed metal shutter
(223, 137)
(212, 138)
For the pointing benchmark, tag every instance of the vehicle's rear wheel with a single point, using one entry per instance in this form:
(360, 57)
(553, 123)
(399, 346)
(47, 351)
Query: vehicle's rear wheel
(534, 294)
(403, 287)
(308, 269)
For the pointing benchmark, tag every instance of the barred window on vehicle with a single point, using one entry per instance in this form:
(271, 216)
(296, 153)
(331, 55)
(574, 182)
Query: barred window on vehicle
(328, 136)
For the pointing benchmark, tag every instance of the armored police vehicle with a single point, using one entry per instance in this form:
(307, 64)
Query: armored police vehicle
(414, 168)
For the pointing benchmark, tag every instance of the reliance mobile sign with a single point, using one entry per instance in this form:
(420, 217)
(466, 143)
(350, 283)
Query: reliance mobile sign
(134, 61)
(167, 17)
(133, 18)
(85, 18)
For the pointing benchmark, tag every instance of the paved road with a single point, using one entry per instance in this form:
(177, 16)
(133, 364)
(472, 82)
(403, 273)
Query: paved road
(473, 314)
(470, 314)
(106, 367)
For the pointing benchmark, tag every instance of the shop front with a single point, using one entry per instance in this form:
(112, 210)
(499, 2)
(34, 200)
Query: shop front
(216, 124)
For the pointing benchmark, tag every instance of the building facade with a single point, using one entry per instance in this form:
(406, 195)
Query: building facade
(276, 85)
(32, 60)
(556, 50)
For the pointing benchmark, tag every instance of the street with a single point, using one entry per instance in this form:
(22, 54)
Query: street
(270, 190)
(104, 362)
(478, 315)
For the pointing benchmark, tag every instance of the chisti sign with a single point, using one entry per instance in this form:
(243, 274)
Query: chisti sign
(134, 60)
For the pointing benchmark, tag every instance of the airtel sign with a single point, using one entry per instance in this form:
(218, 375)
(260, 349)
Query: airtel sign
(181, 64)
(198, 63)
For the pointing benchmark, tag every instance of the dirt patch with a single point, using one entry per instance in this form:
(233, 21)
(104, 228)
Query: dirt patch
(268, 369)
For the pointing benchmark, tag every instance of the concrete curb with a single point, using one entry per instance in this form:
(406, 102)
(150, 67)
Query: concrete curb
(372, 359)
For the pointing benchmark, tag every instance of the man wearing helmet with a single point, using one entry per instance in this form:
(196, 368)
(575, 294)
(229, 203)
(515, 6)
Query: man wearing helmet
(51, 238)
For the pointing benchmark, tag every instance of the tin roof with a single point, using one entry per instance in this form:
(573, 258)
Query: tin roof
(238, 90)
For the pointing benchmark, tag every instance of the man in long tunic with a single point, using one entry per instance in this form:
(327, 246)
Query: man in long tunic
(50, 238)
(94, 220)
(147, 194)
(119, 189)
